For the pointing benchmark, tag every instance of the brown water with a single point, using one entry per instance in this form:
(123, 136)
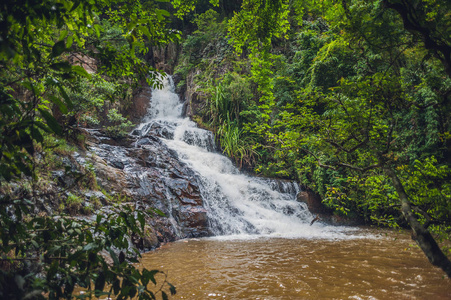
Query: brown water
(387, 266)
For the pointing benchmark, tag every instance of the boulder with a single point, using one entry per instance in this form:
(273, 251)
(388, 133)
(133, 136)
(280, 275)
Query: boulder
(313, 202)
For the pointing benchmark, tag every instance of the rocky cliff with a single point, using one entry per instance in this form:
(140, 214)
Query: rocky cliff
(143, 171)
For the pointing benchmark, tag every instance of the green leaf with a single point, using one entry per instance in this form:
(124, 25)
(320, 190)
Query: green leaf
(164, 296)
(159, 212)
(116, 286)
(36, 134)
(81, 71)
(62, 107)
(51, 121)
(151, 275)
(43, 126)
(114, 257)
(132, 292)
(63, 35)
(161, 13)
(141, 220)
(58, 48)
(61, 66)
(89, 247)
(97, 29)
(35, 244)
(20, 281)
(76, 4)
(146, 31)
(100, 283)
(121, 257)
(52, 271)
(27, 85)
(65, 96)
(172, 289)
(70, 41)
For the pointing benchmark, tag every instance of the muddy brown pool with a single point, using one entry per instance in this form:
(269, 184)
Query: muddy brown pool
(387, 265)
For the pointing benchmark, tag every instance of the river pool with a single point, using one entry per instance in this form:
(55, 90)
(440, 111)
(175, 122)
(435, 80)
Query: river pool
(373, 264)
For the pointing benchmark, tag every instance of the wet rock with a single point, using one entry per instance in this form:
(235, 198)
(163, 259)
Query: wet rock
(313, 202)
(64, 178)
(323, 213)
(96, 195)
(193, 218)
(144, 141)
(150, 239)
(156, 129)
(343, 221)
(148, 173)
(117, 164)
(140, 103)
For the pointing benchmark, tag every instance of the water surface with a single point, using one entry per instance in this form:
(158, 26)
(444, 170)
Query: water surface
(384, 266)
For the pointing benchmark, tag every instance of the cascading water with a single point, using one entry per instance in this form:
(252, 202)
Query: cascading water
(237, 204)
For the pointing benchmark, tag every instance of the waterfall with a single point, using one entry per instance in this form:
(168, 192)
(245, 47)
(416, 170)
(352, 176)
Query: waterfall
(236, 204)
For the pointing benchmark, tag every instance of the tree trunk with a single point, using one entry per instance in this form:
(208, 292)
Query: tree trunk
(421, 235)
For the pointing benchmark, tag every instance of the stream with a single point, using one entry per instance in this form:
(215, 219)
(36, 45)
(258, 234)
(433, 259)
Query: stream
(263, 246)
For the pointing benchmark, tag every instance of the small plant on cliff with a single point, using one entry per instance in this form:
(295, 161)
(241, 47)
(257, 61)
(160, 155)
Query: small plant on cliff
(73, 204)
(120, 125)
(235, 145)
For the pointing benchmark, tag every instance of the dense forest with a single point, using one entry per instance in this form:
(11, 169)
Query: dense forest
(351, 99)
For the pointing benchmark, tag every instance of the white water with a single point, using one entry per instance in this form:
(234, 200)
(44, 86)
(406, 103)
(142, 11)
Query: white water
(238, 206)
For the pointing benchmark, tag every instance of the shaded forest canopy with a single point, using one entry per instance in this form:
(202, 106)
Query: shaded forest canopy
(351, 99)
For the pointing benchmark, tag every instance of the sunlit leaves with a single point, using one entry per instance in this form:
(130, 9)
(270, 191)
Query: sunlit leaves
(257, 23)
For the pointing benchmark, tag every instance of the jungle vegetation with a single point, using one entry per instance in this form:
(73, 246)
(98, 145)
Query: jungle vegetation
(350, 98)
(64, 63)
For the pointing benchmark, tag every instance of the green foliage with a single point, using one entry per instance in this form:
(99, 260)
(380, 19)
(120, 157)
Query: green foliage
(229, 96)
(257, 23)
(185, 6)
(207, 22)
(74, 202)
(68, 252)
(62, 63)
(350, 90)
(235, 145)
(43, 48)
(428, 183)
(206, 47)
(120, 126)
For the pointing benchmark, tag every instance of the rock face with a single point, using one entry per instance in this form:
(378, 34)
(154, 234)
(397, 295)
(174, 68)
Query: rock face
(138, 108)
(323, 213)
(313, 202)
(143, 170)
(195, 100)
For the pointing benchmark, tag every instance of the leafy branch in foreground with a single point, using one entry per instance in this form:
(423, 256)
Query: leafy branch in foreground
(45, 257)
